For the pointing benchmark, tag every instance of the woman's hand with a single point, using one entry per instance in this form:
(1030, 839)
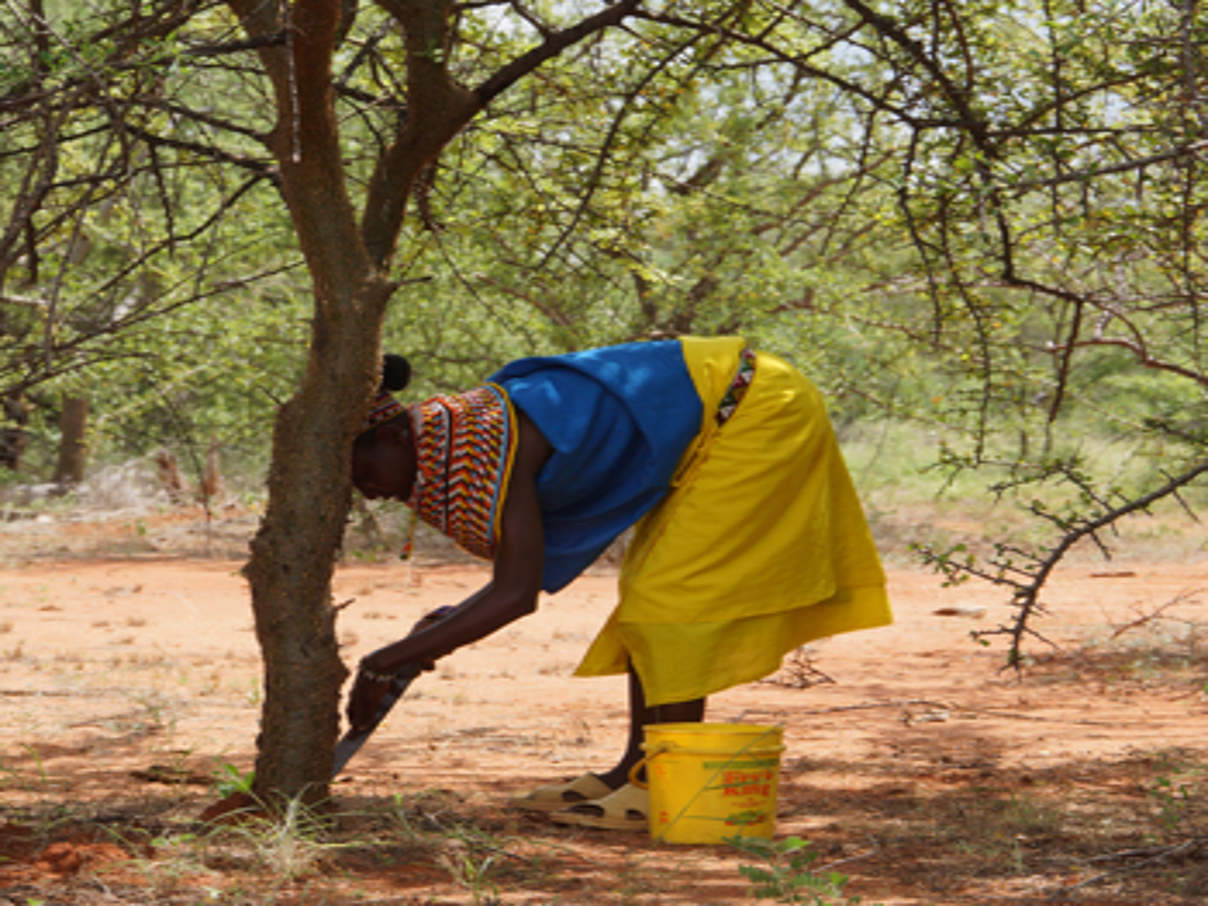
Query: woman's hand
(371, 684)
(366, 698)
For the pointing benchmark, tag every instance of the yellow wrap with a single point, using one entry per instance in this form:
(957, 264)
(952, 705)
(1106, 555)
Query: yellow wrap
(760, 546)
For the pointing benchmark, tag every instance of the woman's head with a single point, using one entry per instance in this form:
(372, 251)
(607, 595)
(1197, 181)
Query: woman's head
(383, 455)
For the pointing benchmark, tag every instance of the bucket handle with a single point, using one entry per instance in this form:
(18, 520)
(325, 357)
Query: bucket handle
(633, 771)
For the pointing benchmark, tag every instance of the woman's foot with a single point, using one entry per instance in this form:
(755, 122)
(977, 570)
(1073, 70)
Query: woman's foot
(554, 796)
(624, 809)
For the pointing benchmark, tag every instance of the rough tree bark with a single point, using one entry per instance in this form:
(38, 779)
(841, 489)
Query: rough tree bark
(73, 425)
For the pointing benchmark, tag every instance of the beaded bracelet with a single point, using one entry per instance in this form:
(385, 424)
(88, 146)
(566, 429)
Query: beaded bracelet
(373, 675)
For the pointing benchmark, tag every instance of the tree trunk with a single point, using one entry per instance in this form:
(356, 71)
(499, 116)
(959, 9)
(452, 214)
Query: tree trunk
(13, 435)
(290, 576)
(73, 422)
(294, 552)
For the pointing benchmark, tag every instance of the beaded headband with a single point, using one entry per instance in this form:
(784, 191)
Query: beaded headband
(383, 408)
(396, 374)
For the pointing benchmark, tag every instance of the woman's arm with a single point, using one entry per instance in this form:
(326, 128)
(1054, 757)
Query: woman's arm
(511, 593)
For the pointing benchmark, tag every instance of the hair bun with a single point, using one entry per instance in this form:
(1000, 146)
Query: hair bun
(396, 372)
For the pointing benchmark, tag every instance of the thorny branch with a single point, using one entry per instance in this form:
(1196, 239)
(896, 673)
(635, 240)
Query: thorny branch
(1028, 580)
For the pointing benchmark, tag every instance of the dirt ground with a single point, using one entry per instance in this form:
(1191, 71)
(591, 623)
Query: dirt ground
(130, 686)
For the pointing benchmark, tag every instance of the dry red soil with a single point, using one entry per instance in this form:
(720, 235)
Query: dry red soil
(914, 763)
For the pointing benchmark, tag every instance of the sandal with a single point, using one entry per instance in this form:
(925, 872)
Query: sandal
(556, 796)
(624, 809)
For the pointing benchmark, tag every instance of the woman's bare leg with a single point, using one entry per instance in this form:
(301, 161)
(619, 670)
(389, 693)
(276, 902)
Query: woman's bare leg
(641, 714)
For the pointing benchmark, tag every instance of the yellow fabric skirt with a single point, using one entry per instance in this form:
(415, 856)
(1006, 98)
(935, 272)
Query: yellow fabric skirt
(760, 546)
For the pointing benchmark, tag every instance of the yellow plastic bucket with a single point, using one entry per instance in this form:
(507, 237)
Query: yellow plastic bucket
(711, 781)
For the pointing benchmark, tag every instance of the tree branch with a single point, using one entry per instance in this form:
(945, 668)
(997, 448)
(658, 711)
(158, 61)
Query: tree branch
(1026, 594)
(554, 44)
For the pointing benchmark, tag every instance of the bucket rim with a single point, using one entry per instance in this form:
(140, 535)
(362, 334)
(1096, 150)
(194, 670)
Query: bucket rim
(720, 726)
(713, 739)
(654, 750)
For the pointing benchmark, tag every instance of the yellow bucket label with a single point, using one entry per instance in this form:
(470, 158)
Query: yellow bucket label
(745, 783)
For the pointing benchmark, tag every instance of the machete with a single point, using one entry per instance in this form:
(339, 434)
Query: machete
(354, 739)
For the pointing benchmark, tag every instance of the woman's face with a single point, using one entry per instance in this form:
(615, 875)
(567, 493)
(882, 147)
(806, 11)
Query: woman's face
(383, 464)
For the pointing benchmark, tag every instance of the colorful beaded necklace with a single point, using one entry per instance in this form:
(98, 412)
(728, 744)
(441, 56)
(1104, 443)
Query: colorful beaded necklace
(464, 445)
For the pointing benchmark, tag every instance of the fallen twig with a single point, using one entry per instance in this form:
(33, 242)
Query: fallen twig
(864, 706)
(1184, 848)
(798, 672)
(1155, 614)
(948, 706)
(863, 854)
